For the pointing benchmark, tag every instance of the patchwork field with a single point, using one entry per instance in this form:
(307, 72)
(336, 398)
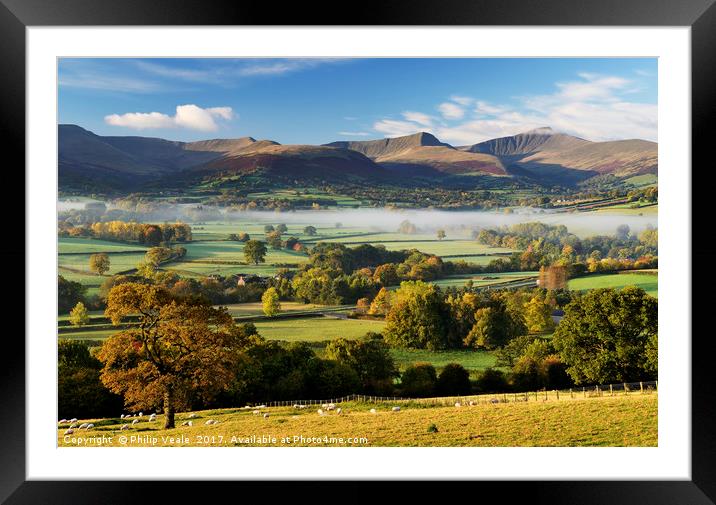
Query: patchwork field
(648, 282)
(615, 421)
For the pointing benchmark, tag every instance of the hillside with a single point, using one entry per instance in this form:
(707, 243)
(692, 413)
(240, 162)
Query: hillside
(613, 421)
(89, 162)
(543, 154)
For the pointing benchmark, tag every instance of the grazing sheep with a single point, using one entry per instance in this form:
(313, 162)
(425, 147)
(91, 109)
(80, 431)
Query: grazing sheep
(325, 406)
(266, 415)
(73, 420)
(73, 425)
(261, 406)
(124, 427)
(90, 425)
(186, 423)
(152, 418)
(141, 414)
(83, 426)
(69, 431)
(331, 406)
(372, 411)
(458, 404)
(63, 421)
(256, 412)
(320, 412)
(211, 421)
(296, 406)
(135, 421)
(396, 409)
(339, 410)
(192, 415)
(494, 400)
(121, 416)
(472, 403)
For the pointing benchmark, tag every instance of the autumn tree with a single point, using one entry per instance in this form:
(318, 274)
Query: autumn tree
(79, 315)
(553, 277)
(255, 251)
(538, 315)
(380, 304)
(270, 302)
(99, 263)
(180, 348)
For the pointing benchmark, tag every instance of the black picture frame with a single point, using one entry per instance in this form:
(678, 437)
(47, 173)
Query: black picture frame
(700, 15)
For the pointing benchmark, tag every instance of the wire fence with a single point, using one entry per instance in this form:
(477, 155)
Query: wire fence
(624, 388)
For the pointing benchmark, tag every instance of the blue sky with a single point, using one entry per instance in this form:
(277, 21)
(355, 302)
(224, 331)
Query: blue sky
(314, 101)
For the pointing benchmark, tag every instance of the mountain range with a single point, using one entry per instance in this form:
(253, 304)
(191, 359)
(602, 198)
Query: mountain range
(87, 161)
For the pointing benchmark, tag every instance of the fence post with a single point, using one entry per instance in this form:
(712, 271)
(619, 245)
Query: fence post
(571, 395)
(641, 387)
(556, 391)
(611, 391)
(656, 385)
(584, 392)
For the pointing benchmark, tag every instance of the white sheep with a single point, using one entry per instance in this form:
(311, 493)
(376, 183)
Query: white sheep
(192, 415)
(63, 421)
(73, 425)
(73, 420)
(261, 406)
(458, 404)
(90, 425)
(266, 415)
(320, 412)
(494, 400)
(135, 421)
(141, 414)
(256, 412)
(69, 431)
(372, 411)
(331, 406)
(396, 409)
(124, 427)
(472, 403)
(187, 423)
(83, 426)
(121, 416)
(339, 410)
(211, 421)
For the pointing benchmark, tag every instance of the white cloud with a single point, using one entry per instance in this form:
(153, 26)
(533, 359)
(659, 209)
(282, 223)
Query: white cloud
(594, 107)
(188, 116)
(418, 117)
(451, 110)
(462, 100)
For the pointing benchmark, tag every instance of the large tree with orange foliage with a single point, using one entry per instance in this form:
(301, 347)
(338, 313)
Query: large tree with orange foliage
(180, 348)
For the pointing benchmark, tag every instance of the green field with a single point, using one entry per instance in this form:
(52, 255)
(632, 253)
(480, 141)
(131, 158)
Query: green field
(607, 421)
(71, 245)
(473, 361)
(648, 282)
(316, 329)
(482, 280)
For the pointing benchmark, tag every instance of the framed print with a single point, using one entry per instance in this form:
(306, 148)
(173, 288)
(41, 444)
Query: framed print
(423, 246)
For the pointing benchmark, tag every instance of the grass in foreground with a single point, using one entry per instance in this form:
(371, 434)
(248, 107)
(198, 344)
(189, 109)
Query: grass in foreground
(625, 420)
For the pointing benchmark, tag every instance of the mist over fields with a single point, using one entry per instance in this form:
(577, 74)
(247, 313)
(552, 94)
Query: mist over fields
(388, 220)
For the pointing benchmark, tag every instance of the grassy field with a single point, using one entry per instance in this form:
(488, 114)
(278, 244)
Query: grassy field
(70, 245)
(623, 420)
(316, 329)
(473, 361)
(482, 280)
(648, 282)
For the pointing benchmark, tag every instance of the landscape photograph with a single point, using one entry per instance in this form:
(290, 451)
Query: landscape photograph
(357, 252)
